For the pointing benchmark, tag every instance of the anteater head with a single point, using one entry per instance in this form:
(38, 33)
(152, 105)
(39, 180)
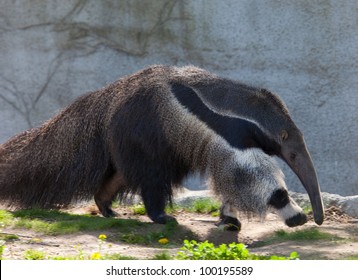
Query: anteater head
(289, 143)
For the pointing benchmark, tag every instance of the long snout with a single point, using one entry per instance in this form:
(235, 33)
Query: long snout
(303, 167)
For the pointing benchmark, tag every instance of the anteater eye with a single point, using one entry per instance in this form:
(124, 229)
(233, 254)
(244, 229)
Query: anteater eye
(293, 156)
(284, 135)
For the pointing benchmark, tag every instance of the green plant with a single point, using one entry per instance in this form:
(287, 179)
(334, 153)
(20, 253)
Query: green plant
(6, 218)
(353, 257)
(8, 237)
(34, 255)
(139, 209)
(2, 247)
(205, 205)
(307, 209)
(193, 250)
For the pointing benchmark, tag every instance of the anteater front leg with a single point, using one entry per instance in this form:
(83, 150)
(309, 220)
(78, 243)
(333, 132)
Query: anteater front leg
(155, 203)
(228, 217)
(155, 198)
(287, 208)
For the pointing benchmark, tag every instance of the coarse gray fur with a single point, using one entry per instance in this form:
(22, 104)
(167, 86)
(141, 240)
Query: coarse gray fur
(133, 136)
(253, 185)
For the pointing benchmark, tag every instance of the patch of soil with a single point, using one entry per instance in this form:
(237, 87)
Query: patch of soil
(334, 214)
(192, 225)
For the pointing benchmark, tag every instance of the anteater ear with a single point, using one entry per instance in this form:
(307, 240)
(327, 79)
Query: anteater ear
(284, 135)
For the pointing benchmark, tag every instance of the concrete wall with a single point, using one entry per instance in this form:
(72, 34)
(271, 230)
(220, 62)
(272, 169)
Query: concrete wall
(307, 51)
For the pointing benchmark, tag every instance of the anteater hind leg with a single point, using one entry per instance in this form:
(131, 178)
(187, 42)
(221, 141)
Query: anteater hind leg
(228, 217)
(107, 193)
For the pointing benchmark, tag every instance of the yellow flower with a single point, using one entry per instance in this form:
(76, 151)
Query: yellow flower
(102, 237)
(163, 241)
(95, 256)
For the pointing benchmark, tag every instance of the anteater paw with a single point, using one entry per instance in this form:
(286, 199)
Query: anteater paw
(163, 219)
(229, 223)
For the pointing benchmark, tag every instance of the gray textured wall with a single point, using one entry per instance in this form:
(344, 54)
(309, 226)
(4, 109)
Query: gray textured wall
(307, 51)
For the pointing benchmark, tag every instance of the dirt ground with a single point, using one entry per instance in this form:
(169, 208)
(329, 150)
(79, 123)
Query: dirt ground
(202, 226)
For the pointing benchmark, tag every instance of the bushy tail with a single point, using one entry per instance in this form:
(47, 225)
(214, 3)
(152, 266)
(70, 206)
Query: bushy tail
(60, 162)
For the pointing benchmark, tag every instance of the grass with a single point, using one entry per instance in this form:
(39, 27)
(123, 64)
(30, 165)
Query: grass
(171, 232)
(52, 222)
(205, 206)
(162, 256)
(97, 255)
(139, 209)
(307, 208)
(8, 237)
(39, 255)
(6, 218)
(2, 247)
(201, 205)
(192, 250)
(353, 257)
(310, 234)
